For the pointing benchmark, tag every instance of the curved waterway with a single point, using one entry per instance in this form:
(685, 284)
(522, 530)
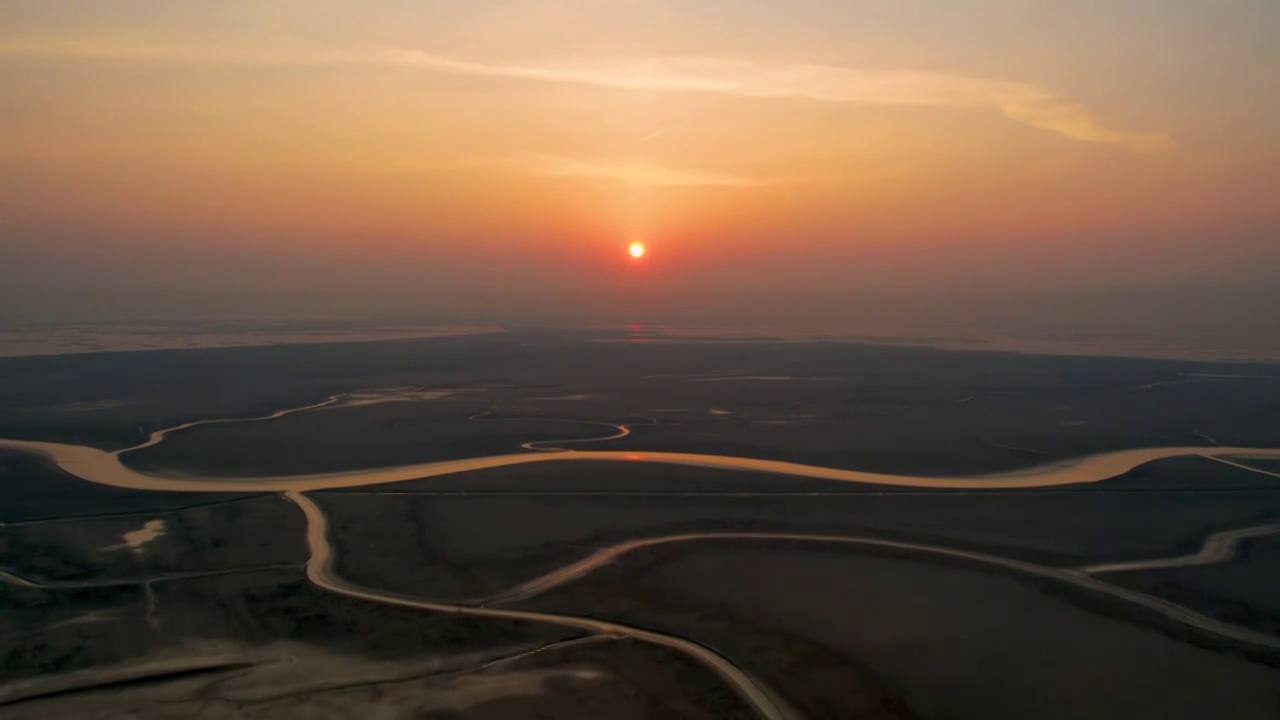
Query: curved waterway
(320, 573)
(1218, 548)
(620, 431)
(106, 468)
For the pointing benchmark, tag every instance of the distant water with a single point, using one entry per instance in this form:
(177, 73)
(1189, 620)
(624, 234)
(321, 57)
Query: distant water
(1220, 344)
(75, 338)
(1222, 341)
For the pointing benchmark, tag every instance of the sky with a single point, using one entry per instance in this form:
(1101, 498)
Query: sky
(493, 159)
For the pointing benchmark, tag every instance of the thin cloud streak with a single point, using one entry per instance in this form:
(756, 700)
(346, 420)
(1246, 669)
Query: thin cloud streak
(127, 50)
(660, 132)
(1021, 102)
(627, 174)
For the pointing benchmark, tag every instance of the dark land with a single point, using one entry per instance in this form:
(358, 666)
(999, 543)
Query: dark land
(172, 604)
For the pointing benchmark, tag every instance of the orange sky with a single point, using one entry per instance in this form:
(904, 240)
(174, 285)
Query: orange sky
(522, 145)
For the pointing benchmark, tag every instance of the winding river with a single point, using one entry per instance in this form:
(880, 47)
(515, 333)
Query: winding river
(106, 468)
(320, 572)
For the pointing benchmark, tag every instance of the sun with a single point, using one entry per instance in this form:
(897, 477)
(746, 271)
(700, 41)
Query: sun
(636, 249)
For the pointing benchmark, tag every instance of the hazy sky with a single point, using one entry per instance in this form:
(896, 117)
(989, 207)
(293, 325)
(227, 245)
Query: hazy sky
(797, 149)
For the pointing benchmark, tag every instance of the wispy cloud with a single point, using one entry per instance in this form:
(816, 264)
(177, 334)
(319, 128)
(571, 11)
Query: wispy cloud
(141, 50)
(660, 132)
(628, 174)
(1021, 102)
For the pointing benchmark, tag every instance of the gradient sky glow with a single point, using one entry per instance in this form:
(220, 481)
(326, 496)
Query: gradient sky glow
(806, 147)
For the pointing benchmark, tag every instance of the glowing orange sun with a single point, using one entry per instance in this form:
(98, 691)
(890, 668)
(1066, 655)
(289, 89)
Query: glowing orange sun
(636, 249)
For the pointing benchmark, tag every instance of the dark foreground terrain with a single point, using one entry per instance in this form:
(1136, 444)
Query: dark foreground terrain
(722, 593)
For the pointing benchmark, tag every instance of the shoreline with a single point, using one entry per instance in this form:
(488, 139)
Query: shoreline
(13, 344)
